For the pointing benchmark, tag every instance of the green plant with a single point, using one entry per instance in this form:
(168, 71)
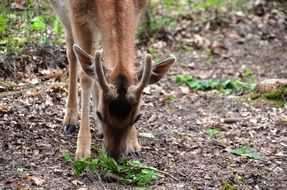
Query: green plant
(244, 151)
(129, 172)
(171, 97)
(38, 23)
(3, 23)
(227, 85)
(277, 96)
(249, 140)
(158, 22)
(21, 169)
(151, 50)
(67, 156)
(209, 62)
(137, 173)
(168, 2)
(12, 43)
(247, 73)
(57, 27)
(93, 147)
(153, 24)
(18, 28)
(213, 131)
(9, 86)
(187, 47)
(233, 165)
(240, 177)
(227, 186)
(203, 4)
(217, 4)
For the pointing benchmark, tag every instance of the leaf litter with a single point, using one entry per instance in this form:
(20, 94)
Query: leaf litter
(249, 44)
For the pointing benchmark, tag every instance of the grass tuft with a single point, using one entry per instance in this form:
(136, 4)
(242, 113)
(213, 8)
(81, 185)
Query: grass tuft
(129, 172)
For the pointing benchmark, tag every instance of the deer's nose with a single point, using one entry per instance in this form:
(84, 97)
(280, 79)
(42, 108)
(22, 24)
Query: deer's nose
(115, 155)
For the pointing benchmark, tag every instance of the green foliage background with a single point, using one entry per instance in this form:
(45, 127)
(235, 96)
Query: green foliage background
(34, 23)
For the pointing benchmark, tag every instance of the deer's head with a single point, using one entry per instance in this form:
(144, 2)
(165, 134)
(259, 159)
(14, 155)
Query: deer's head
(119, 95)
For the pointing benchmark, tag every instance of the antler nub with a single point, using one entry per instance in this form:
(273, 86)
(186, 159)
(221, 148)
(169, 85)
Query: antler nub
(106, 87)
(134, 92)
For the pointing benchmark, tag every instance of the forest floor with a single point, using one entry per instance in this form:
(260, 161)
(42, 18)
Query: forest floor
(247, 46)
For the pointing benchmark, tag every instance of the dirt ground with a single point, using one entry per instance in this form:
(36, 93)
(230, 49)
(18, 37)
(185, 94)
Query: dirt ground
(32, 139)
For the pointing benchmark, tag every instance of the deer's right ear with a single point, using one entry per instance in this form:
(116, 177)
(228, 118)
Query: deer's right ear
(86, 61)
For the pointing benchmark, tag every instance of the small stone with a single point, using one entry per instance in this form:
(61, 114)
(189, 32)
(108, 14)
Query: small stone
(83, 188)
(231, 120)
(147, 90)
(110, 177)
(77, 182)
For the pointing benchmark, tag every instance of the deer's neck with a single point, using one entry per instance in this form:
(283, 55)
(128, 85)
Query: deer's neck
(118, 26)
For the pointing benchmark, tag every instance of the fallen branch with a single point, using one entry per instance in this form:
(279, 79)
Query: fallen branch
(156, 170)
(24, 90)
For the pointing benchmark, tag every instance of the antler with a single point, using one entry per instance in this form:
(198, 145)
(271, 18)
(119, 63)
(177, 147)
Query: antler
(135, 91)
(106, 87)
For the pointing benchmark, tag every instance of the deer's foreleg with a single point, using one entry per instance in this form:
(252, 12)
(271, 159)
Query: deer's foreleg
(84, 40)
(84, 136)
(71, 114)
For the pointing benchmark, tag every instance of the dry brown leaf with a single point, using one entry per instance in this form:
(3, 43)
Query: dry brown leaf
(32, 93)
(38, 181)
(4, 107)
(48, 74)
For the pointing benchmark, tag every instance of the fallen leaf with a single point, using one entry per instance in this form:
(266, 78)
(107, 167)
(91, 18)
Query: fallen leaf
(244, 151)
(34, 81)
(32, 93)
(52, 74)
(38, 181)
(146, 135)
(4, 107)
(36, 152)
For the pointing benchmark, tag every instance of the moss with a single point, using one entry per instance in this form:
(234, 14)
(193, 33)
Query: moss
(276, 94)
(276, 97)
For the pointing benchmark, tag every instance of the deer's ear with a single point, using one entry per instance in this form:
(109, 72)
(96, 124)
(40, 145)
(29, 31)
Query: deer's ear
(85, 60)
(158, 70)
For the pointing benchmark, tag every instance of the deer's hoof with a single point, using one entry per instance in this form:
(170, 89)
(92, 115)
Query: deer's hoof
(134, 154)
(82, 153)
(69, 129)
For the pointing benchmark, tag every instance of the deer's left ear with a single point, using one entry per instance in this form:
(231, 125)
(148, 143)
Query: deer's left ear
(85, 60)
(158, 70)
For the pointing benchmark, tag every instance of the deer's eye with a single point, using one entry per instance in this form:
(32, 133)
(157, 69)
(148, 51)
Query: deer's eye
(100, 115)
(137, 118)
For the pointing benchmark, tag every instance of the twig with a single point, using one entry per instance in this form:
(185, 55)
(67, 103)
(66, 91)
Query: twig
(151, 168)
(284, 99)
(100, 181)
(29, 88)
(12, 93)
(163, 172)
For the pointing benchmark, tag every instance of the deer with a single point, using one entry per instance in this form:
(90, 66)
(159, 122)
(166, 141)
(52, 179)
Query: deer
(108, 77)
